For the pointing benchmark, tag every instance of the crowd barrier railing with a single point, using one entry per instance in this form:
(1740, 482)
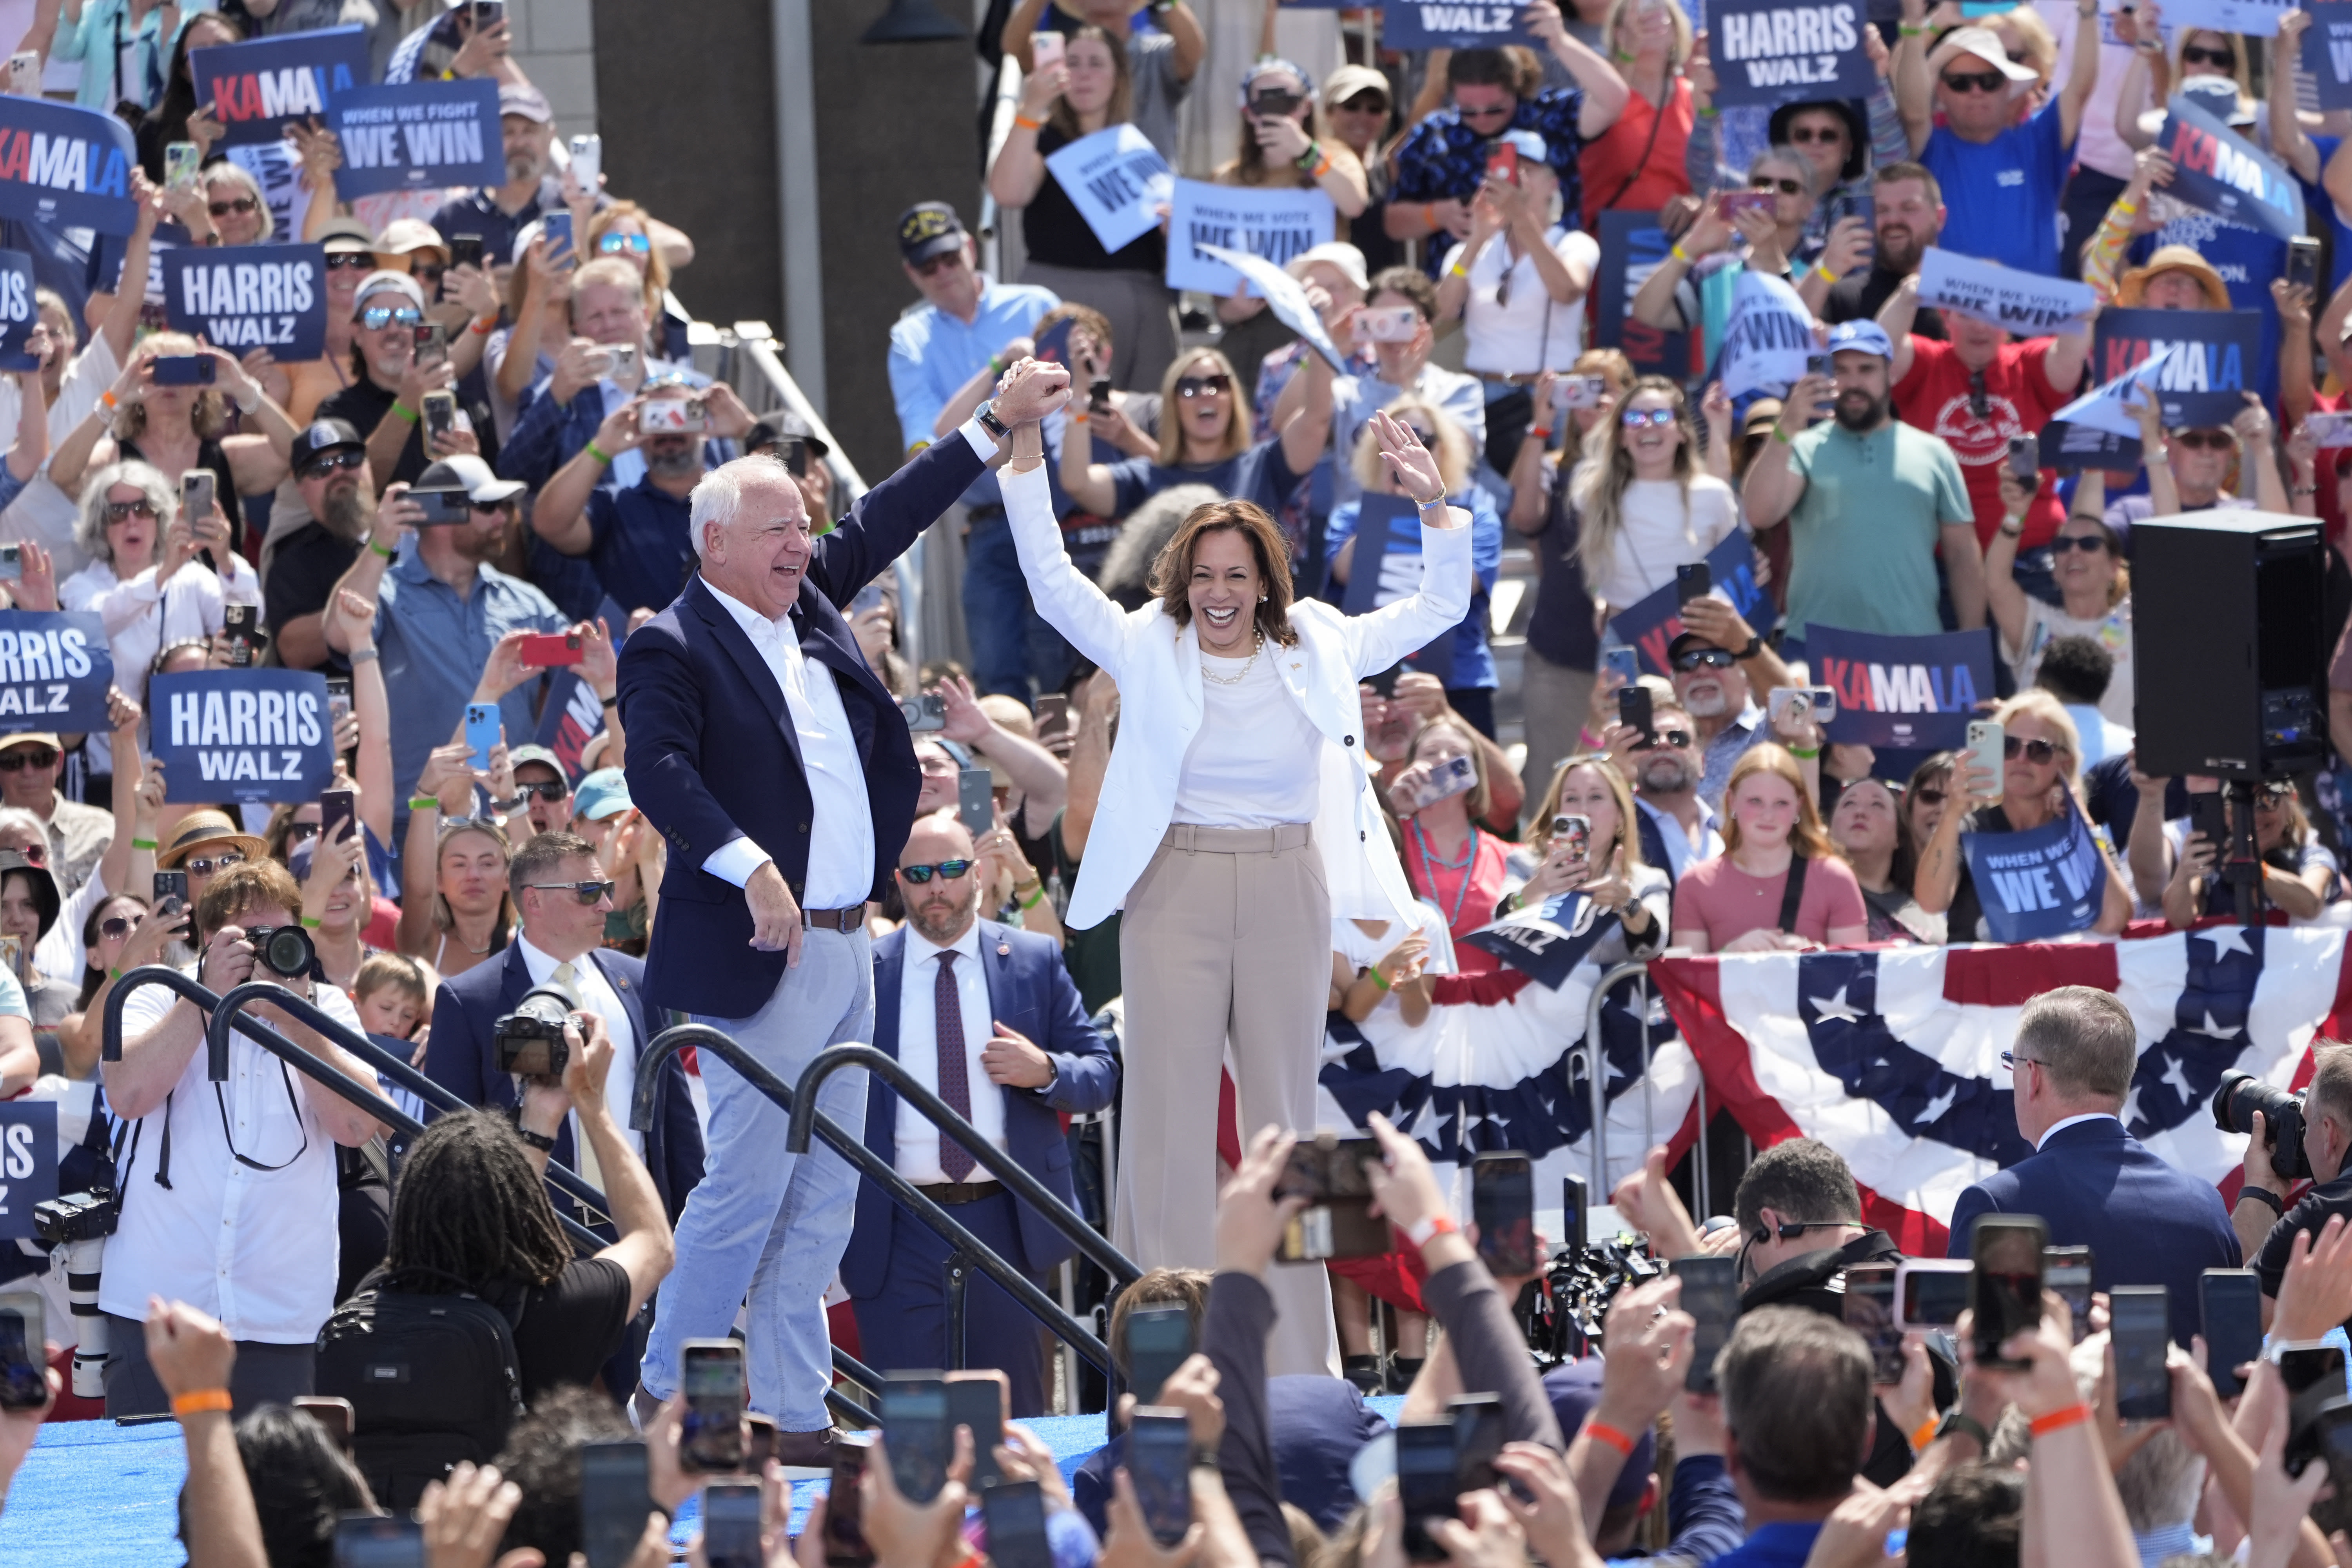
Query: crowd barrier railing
(967, 1252)
(1590, 1056)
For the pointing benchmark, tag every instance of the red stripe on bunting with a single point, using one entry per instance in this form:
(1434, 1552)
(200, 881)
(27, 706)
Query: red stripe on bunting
(2013, 976)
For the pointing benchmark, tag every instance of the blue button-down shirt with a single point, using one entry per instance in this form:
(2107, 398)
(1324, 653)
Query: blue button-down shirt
(642, 545)
(434, 646)
(933, 355)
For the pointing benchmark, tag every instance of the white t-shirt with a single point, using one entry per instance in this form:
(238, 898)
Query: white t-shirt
(1257, 760)
(1521, 329)
(1360, 950)
(142, 619)
(1657, 533)
(2112, 631)
(42, 512)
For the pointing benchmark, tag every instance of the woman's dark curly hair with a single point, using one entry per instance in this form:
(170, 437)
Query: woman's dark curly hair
(469, 1209)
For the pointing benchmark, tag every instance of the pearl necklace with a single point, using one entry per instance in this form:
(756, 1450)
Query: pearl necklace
(1238, 675)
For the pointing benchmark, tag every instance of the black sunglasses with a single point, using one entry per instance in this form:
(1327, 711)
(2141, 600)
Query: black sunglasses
(241, 205)
(1975, 81)
(1202, 385)
(586, 892)
(346, 458)
(2038, 751)
(23, 757)
(1692, 658)
(2089, 543)
(1806, 135)
(543, 791)
(123, 511)
(350, 261)
(950, 870)
(116, 927)
(1672, 740)
(1767, 182)
(2191, 55)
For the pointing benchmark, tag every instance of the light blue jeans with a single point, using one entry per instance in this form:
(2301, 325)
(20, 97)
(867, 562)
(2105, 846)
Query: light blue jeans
(765, 1221)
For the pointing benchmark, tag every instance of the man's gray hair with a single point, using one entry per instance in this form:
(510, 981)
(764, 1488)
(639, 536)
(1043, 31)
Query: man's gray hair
(16, 819)
(718, 496)
(89, 529)
(2086, 1039)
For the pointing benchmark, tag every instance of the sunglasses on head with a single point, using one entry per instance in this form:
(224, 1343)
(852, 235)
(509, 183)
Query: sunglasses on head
(2089, 543)
(124, 510)
(2035, 752)
(376, 318)
(1692, 658)
(1786, 187)
(1975, 81)
(238, 205)
(615, 244)
(2205, 440)
(1637, 418)
(326, 463)
(350, 261)
(116, 927)
(23, 757)
(950, 870)
(1204, 385)
(586, 892)
(2195, 55)
(206, 865)
(543, 791)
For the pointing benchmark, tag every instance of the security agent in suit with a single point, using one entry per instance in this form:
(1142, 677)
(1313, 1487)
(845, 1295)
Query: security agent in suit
(2091, 1182)
(2267, 1234)
(781, 772)
(1019, 1050)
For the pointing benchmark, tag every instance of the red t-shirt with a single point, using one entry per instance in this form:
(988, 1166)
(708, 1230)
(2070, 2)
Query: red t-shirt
(2018, 401)
(1726, 903)
(1610, 162)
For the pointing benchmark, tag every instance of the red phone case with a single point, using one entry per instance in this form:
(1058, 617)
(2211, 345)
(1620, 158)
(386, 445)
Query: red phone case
(550, 650)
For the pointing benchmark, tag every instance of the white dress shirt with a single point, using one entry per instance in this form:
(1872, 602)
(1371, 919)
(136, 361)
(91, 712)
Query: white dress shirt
(596, 995)
(2065, 1122)
(841, 824)
(918, 1050)
(256, 1248)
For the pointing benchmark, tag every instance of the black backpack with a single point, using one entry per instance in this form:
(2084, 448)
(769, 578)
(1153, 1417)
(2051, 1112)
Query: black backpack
(431, 1380)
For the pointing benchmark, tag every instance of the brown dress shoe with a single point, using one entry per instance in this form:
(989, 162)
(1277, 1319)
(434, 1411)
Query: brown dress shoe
(807, 1450)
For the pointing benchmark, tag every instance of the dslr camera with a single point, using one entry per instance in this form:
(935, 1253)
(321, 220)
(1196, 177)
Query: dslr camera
(70, 1217)
(2241, 1095)
(285, 951)
(529, 1040)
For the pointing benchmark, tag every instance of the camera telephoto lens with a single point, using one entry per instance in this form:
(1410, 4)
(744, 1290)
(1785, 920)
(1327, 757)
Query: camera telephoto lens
(2241, 1095)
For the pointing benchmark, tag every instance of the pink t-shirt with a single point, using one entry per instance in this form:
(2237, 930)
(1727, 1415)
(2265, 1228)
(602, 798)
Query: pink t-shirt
(1726, 903)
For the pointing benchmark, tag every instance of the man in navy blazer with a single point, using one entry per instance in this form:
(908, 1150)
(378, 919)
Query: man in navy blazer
(780, 771)
(1026, 1052)
(2091, 1182)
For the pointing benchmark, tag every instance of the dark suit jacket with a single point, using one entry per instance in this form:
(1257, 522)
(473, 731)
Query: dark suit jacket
(713, 756)
(461, 1057)
(1032, 994)
(2094, 1185)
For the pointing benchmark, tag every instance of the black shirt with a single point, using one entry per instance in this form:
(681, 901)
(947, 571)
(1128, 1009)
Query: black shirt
(363, 404)
(1560, 626)
(2327, 1198)
(304, 571)
(1057, 236)
(1858, 295)
(571, 1328)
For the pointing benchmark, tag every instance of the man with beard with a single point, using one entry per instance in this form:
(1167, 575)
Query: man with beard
(1908, 216)
(386, 397)
(1729, 707)
(1677, 826)
(944, 985)
(637, 538)
(449, 625)
(1868, 503)
(329, 463)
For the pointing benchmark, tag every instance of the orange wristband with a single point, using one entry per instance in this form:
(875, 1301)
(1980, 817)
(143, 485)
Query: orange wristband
(1026, 123)
(1602, 1433)
(2059, 1420)
(1430, 1230)
(202, 1402)
(1925, 1433)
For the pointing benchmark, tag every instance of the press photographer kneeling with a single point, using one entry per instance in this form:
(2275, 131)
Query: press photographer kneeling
(229, 1200)
(2290, 1138)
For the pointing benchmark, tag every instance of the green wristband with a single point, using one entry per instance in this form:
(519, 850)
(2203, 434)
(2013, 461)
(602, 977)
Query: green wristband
(599, 454)
(143, 844)
(1804, 755)
(423, 803)
(377, 546)
(403, 411)
(1378, 978)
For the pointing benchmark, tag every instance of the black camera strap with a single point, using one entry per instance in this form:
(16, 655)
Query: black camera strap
(286, 1080)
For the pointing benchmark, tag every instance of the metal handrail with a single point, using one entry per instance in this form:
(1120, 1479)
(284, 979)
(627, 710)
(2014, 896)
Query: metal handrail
(1010, 1281)
(949, 1120)
(1596, 1063)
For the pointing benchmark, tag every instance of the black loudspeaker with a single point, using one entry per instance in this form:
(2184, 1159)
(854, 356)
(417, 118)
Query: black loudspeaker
(2227, 641)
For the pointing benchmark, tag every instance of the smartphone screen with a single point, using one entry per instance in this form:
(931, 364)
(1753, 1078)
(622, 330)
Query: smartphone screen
(916, 1430)
(2067, 1271)
(730, 1524)
(1710, 1295)
(977, 1401)
(1692, 582)
(240, 624)
(1478, 1434)
(2229, 1301)
(481, 731)
(1160, 1462)
(711, 1372)
(2007, 1295)
(1503, 1206)
(2142, 1329)
(1633, 711)
(2333, 1510)
(844, 1514)
(1015, 1512)
(23, 1352)
(337, 807)
(1868, 1310)
(614, 1499)
(1158, 1341)
(1573, 1202)
(1425, 1470)
(2313, 1375)
(2207, 814)
(372, 1541)
(1931, 1298)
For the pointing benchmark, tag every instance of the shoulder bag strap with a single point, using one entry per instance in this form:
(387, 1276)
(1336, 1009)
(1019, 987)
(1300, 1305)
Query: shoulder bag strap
(1793, 893)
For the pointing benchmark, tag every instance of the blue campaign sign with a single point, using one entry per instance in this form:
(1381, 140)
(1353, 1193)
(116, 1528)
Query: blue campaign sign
(55, 668)
(1903, 693)
(66, 167)
(1387, 567)
(241, 734)
(1631, 247)
(417, 136)
(2044, 882)
(1454, 24)
(2214, 356)
(2327, 51)
(28, 1163)
(244, 297)
(1769, 52)
(1652, 625)
(16, 313)
(1547, 941)
(2221, 172)
(254, 89)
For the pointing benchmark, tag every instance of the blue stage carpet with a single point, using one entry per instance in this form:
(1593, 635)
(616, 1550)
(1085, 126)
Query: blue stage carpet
(102, 1495)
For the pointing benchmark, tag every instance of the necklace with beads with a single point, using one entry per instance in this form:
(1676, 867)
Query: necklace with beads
(1240, 675)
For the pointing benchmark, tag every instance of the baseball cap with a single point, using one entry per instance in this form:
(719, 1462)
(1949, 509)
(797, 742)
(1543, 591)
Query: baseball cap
(1985, 44)
(603, 793)
(1685, 640)
(30, 738)
(1348, 81)
(1530, 144)
(324, 436)
(464, 471)
(521, 98)
(382, 282)
(780, 426)
(1864, 336)
(1574, 1391)
(541, 755)
(1336, 253)
(345, 234)
(406, 236)
(927, 229)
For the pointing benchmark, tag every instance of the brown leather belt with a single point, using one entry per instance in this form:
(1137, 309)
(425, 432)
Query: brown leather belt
(948, 1194)
(852, 919)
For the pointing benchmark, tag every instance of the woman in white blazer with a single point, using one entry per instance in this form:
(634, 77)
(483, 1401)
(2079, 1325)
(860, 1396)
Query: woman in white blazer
(1237, 819)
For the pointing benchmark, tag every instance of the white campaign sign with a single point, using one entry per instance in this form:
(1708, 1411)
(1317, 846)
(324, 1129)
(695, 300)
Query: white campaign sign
(2026, 304)
(2255, 18)
(1770, 337)
(2108, 405)
(1117, 180)
(1286, 297)
(1272, 225)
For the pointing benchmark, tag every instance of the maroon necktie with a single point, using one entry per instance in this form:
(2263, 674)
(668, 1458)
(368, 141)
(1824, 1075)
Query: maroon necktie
(955, 1087)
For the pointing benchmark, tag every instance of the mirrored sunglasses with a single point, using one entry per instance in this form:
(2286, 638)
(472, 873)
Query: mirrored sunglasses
(950, 870)
(376, 318)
